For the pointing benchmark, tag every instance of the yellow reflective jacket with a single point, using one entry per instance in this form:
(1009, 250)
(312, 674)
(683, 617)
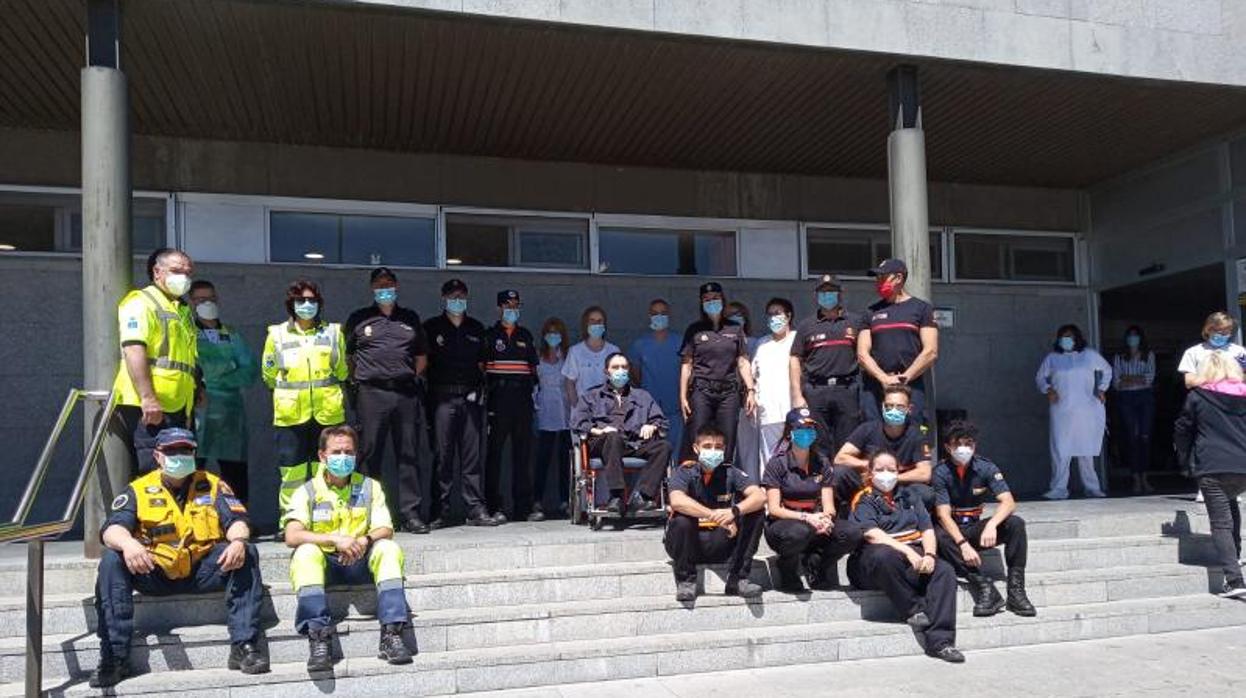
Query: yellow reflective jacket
(164, 326)
(305, 369)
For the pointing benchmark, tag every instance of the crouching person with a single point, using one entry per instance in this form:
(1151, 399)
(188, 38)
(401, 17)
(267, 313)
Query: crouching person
(962, 483)
(716, 516)
(176, 530)
(900, 558)
(341, 532)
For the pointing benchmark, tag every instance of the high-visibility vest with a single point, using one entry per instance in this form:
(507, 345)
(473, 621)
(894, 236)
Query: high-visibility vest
(329, 513)
(172, 349)
(178, 538)
(305, 369)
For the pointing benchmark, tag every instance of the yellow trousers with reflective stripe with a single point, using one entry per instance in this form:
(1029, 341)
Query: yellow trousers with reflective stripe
(307, 565)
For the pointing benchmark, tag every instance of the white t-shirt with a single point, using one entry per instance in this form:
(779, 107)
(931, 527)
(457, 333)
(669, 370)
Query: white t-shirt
(1192, 359)
(587, 367)
(551, 410)
(771, 361)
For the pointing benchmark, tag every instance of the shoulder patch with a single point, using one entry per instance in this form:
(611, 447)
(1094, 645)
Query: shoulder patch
(120, 501)
(999, 476)
(224, 488)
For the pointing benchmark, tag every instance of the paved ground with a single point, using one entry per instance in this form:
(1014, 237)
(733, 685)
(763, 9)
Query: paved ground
(1198, 663)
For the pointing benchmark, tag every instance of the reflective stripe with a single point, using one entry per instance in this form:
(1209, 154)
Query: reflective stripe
(333, 353)
(164, 316)
(167, 363)
(907, 536)
(310, 590)
(389, 584)
(300, 385)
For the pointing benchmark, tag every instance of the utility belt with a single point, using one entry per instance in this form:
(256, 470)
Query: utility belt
(406, 384)
(448, 390)
(715, 387)
(967, 515)
(835, 381)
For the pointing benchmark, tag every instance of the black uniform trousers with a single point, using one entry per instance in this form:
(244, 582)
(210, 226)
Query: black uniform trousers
(115, 586)
(395, 413)
(709, 406)
(837, 408)
(510, 418)
(611, 448)
(1010, 534)
(847, 482)
(297, 444)
(791, 538)
(881, 567)
(458, 432)
(234, 473)
(689, 545)
(140, 438)
(873, 404)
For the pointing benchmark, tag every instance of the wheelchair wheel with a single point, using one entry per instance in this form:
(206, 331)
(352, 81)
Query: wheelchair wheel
(596, 522)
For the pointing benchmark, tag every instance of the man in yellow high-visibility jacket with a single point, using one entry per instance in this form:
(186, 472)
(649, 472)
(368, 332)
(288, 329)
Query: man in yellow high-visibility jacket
(155, 383)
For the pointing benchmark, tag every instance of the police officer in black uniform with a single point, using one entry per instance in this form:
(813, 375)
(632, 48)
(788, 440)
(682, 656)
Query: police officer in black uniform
(825, 375)
(456, 356)
(963, 481)
(510, 369)
(716, 516)
(900, 341)
(387, 353)
(899, 433)
(900, 557)
(715, 367)
(801, 506)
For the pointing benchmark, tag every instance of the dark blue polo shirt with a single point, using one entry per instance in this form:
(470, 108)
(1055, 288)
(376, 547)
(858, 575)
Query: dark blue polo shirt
(720, 489)
(901, 517)
(795, 484)
(967, 489)
(714, 352)
(895, 332)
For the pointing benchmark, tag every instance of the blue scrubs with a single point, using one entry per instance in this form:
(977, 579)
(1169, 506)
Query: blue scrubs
(659, 372)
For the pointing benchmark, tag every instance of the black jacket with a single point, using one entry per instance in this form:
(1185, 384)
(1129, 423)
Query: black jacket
(627, 411)
(1210, 433)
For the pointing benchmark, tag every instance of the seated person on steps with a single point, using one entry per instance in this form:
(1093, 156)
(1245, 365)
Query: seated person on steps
(901, 433)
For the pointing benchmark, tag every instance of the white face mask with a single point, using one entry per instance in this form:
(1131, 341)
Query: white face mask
(177, 284)
(208, 310)
(885, 480)
(962, 454)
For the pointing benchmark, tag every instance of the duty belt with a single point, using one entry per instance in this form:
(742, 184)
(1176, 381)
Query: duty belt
(713, 386)
(302, 385)
(834, 380)
(399, 384)
(967, 514)
(453, 389)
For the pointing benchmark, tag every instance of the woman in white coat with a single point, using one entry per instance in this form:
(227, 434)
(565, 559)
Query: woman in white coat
(1075, 378)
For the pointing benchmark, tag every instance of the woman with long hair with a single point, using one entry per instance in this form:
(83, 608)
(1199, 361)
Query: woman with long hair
(553, 443)
(1133, 378)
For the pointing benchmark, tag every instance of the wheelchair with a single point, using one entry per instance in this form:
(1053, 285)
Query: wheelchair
(589, 493)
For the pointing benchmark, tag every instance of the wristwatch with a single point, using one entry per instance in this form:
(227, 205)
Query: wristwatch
(371, 540)
(735, 511)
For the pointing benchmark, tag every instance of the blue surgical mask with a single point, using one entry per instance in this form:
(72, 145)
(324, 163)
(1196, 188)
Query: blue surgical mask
(710, 458)
(737, 319)
(510, 316)
(340, 464)
(619, 377)
(828, 299)
(1067, 344)
(778, 323)
(714, 307)
(597, 330)
(804, 437)
(657, 323)
(1132, 341)
(179, 466)
(894, 416)
(306, 310)
(385, 296)
(456, 306)
(553, 339)
(1219, 341)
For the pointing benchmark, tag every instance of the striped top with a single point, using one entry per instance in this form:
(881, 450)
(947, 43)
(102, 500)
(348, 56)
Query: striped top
(1133, 373)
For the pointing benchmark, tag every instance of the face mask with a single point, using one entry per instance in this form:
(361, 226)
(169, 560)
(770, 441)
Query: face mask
(207, 310)
(885, 481)
(306, 309)
(619, 377)
(340, 464)
(179, 466)
(894, 417)
(456, 306)
(177, 284)
(553, 339)
(886, 289)
(510, 316)
(1066, 344)
(828, 299)
(736, 320)
(714, 307)
(962, 454)
(778, 323)
(385, 296)
(710, 458)
(1219, 341)
(597, 330)
(1132, 341)
(804, 438)
(657, 323)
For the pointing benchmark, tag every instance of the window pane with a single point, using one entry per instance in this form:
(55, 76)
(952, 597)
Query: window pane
(853, 251)
(486, 240)
(542, 249)
(27, 228)
(390, 240)
(715, 253)
(303, 237)
(477, 244)
(1015, 258)
(667, 252)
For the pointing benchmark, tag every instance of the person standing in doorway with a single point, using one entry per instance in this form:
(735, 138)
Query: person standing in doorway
(553, 441)
(1218, 331)
(1133, 378)
(825, 374)
(585, 366)
(1074, 378)
(655, 363)
(900, 342)
(715, 362)
(772, 377)
(510, 374)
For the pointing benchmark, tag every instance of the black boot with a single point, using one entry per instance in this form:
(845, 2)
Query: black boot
(789, 575)
(248, 658)
(110, 672)
(823, 572)
(986, 600)
(1018, 602)
(320, 649)
(392, 648)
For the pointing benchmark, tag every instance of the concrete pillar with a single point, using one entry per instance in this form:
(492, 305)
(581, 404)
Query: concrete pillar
(906, 174)
(106, 262)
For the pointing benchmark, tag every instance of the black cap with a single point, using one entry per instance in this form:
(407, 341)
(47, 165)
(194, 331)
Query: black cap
(711, 287)
(827, 281)
(507, 296)
(453, 285)
(890, 266)
(801, 417)
(383, 271)
(175, 437)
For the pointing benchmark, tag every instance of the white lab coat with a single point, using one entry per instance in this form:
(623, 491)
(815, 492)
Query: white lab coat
(1078, 419)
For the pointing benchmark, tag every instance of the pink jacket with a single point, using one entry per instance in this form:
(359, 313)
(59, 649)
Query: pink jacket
(1226, 387)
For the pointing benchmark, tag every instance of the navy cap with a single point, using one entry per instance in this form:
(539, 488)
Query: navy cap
(507, 296)
(827, 281)
(453, 285)
(711, 287)
(175, 437)
(890, 266)
(801, 417)
(383, 271)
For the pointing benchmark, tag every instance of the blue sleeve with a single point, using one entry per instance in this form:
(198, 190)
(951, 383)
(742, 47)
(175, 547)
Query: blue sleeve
(923, 516)
(741, 480)
(940, 483)
(995, 479)
(772, 475)
(229, 508)
(122, 512)
(681, 479)
(865, 513)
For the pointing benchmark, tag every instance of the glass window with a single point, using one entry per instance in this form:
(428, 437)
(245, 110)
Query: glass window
(666, 252)
(147, 232)
(1015, 258)
(853, 251)
(486, 240)
(33, 222)
(26, 228)
(330, 238)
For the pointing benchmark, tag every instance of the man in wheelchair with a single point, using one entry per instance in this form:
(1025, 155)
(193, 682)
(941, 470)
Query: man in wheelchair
(617, 421)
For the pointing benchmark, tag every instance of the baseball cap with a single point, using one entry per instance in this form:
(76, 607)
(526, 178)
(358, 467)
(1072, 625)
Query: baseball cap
(383, 271)
(711, 287)
(800, 417)
(827, 281)
(453, 285)
(507, 296)
(890, 266)
(175, 437)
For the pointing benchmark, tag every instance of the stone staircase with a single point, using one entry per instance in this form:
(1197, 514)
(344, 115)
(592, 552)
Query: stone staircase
(539, 604)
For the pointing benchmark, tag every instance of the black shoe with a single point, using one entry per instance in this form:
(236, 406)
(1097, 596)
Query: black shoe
(480, 518)
(248, 657)
(392, 649)
(1231, 590)
(439, 523)
(415, 525)
(948, 654)
(110, 672)
(743, 588)
(823, 573)
(537, 513)
(615, 505)
(1018, 602)
(986, 600)
(919, 621)
(644, 505)
(320, 649)
(789, 576)
(685, 591)
(500, 518)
